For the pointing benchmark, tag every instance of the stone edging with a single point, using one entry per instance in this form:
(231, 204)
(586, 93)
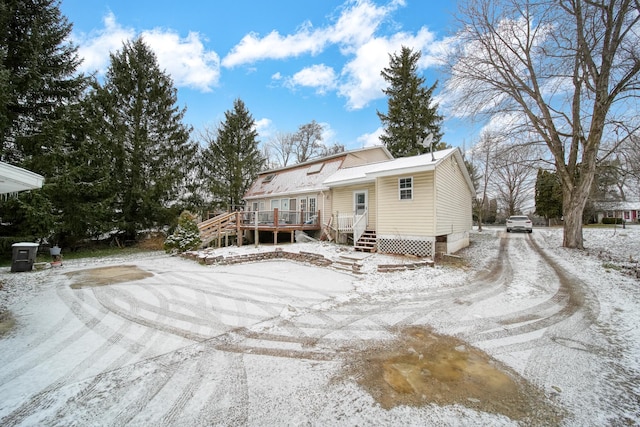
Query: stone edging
(306, 257)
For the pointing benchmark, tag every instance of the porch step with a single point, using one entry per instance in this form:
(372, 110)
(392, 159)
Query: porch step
(367, 242)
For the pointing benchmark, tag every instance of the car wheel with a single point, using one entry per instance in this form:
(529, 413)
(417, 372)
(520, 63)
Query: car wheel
(530, 231)
(508, 230)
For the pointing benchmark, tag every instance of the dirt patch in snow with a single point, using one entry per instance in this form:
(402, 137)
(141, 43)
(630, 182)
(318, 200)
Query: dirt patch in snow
(107, 276)
(7, 322)
(423, 367)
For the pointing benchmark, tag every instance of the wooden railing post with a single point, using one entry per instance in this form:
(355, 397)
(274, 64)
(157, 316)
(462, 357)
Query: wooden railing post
(275, 223)
(239, 237)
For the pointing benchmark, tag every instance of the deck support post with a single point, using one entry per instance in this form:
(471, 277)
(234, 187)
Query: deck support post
(256, 233)
(275, 223)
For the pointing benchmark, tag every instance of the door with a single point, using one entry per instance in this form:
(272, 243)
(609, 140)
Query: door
(360, 202)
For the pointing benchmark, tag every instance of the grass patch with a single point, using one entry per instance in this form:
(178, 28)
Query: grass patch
(99, 250)
(611, 266)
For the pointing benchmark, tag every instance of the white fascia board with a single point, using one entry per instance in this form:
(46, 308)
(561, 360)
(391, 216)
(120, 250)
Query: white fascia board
(288, 193)
(402, 171)
(14, 179)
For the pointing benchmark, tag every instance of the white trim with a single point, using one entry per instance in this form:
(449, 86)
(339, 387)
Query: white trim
(14, 179)
(366, 200)
(400, 189)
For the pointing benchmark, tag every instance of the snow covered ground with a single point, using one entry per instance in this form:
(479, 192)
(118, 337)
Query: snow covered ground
(163, 340)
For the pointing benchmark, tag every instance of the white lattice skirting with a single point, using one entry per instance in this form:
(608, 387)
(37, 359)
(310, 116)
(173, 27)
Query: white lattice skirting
(413, 246)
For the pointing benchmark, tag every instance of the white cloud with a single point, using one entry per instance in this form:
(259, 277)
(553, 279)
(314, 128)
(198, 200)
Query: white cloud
(185, 59)
(355, 25)
(362, 80)
(320, 76)
(328, 134)
(264, 127)
(354, 32)
(94, 48)
(371, 139)
(274, 46)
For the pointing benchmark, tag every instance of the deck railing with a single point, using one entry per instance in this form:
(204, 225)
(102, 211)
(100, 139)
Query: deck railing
(345, 222)
(282, 218)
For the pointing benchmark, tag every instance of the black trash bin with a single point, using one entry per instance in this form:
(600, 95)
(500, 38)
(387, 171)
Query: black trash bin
(24, 255)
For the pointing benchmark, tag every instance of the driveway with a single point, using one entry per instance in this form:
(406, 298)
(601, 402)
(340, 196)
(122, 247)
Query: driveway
(165, 341)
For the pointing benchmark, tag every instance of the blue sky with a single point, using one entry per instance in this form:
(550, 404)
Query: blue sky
(291, 62)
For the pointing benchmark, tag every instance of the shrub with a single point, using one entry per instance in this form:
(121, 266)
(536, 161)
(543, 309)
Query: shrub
(612, 220)
(186, 235)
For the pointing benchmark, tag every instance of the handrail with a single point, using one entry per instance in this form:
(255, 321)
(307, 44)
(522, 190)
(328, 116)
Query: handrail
(359, 226)
(214, 227)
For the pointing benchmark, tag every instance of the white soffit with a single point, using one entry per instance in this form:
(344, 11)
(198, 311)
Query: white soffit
(14, 179)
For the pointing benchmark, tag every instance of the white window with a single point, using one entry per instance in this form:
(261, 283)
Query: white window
(312, 205)
(405, 187)
(275, 204)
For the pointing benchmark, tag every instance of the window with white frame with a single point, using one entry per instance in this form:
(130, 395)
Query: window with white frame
(405, 187)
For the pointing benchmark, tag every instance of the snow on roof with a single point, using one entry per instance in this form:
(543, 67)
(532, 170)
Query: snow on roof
(14, 179)
(365, 173)
(303, 178)
(617, 205)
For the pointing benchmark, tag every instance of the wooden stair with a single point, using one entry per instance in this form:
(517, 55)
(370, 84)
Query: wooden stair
(219, 228)
(367, 242)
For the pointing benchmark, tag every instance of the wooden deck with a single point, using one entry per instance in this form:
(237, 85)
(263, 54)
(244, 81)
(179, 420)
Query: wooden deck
(235, 224)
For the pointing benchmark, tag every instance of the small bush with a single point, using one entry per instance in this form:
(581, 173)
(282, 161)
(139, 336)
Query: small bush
(186, 236)
(612, 220)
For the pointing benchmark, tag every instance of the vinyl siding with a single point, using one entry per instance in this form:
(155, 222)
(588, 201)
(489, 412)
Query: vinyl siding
(453, 207)
(342, 201)
(405, 217)
(364, 157)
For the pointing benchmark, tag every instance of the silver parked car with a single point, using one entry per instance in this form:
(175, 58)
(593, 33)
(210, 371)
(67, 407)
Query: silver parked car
(519, 223)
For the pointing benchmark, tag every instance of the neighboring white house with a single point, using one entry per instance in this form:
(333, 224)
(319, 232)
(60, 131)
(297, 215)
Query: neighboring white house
(14, 179)
(629, 211)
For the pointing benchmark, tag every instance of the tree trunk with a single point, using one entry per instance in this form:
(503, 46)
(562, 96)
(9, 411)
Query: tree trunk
(573, 230)
(572, 210)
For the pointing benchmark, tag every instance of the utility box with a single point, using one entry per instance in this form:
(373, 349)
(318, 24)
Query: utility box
(24, 256)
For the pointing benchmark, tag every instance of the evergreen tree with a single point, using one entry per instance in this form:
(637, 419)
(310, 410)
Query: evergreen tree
(39, 88)
(37, 77)
(143, 130)
(79, 182)
(548, 195)
(186, 236)
(411, 115)
(232, 158)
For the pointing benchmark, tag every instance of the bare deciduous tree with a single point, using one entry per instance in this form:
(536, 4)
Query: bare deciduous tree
(514, 178)
(565, 69)
(308, 141)
(482, 156)
(282, 148)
